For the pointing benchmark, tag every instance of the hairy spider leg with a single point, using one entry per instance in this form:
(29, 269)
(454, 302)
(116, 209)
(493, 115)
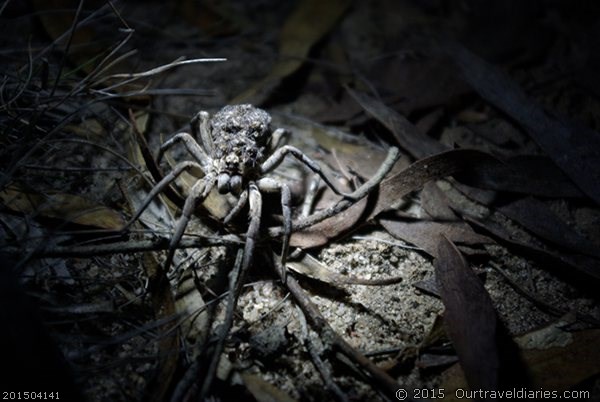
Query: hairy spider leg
(277, 157)
(191, 145)
(173, 174)
(198, 193)
(201, 123)
(270, 185)
(235, 280)
(241, 203)
(255, 201)
(276, 138)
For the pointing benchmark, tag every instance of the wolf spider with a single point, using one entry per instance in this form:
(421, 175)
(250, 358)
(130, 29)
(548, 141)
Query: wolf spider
(237, 149)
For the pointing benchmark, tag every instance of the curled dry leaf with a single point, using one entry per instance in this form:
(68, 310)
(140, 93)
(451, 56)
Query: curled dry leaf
(68, 207)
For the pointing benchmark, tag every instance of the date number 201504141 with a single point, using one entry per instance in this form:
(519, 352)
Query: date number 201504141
(25, 395)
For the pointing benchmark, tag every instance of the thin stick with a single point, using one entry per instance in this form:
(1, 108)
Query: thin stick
(318, 362)
(124, 247)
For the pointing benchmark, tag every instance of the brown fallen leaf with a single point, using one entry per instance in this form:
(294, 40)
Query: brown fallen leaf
(68, 207)
(435, 202)
(536, 217)
(469, 316)
(308, 23)
(424, 234)
(585, 265)
(527, 174)
(406, 134)
(486, 353)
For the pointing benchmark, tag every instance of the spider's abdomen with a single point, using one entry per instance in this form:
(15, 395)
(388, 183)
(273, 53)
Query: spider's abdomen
(240, 134)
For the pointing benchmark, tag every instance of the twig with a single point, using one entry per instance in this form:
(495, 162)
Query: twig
(124, 247)
(318, 362)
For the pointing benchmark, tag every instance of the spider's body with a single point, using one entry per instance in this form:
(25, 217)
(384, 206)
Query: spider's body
(240, 136)
(236, 149)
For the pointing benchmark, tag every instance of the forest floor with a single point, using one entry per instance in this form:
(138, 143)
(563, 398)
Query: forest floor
(472, 266)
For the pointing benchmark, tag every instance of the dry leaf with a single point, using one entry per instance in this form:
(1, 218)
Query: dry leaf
(406, 134)
(581, 263)
(536, 217)
(576, 150)
(423, 234)
(469, 316)
(309, 22)
(390, 191)
(313, 268)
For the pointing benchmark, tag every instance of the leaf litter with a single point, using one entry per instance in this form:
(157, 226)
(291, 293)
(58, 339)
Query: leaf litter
(415, 96)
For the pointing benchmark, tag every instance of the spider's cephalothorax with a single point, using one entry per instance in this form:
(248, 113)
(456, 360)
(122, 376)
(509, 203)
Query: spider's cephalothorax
(240, 134)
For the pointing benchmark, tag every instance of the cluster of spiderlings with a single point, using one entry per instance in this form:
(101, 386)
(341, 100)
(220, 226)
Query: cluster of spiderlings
(240, 134)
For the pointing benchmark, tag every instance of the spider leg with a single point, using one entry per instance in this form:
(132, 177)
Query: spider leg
(197, 194)
(342, 205)
(190, 144)
(276, 138)
(277, 157)
(241, 203)
(160, 186)
(201, 122)
(236, 277)
(270, 185)
(255, 201)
